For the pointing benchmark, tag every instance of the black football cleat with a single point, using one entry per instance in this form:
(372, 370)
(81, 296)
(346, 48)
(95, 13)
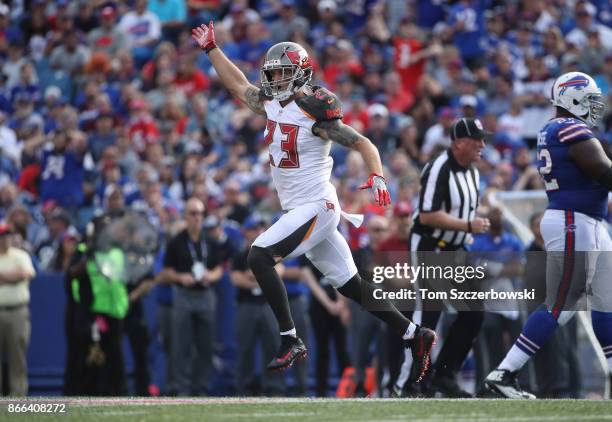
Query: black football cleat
(448, 387)
(410, 390)
(504, 383)
(420, 346)
(291, 350)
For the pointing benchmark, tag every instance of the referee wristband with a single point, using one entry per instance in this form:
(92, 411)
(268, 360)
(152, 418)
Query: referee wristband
(469, 226)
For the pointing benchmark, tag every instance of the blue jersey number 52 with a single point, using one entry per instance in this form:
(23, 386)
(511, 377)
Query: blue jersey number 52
(549, 182)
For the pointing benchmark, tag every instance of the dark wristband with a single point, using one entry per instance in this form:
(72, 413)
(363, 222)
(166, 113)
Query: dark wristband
(208, 50)
(469, 226)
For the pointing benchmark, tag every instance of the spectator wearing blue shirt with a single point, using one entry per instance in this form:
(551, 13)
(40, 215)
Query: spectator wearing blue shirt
(327, 10)
(27, 83)
(430, 12)
(467, 24)
(495, 30)
(24, 119)
(8, 33)
(63, 172)
(357, 12)
(254, 46)
(53, 105)
(103, 136)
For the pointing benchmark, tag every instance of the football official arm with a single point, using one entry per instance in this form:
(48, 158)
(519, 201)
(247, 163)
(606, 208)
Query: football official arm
(231, 77)
(445, 221)
(591, 159)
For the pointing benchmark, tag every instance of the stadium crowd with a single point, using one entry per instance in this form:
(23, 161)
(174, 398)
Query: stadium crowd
(109, 104)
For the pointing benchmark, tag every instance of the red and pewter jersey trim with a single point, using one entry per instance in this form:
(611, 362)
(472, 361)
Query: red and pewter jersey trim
(321, 105)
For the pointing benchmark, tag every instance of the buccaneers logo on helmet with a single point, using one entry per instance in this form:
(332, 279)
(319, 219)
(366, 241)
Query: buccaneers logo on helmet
(286, 69)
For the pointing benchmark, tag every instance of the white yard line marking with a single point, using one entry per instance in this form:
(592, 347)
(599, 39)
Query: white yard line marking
(264, 414)
(463, 418)
(106, 413)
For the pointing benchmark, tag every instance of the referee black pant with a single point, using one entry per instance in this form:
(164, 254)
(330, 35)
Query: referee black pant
(464, 329)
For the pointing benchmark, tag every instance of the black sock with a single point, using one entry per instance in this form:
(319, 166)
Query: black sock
(356, 287)
(287, 339)
(262, 265)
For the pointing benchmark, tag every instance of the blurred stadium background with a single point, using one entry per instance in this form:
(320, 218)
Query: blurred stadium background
(101, 100)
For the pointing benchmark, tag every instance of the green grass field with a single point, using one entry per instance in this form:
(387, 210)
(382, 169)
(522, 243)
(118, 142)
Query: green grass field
(316, 410)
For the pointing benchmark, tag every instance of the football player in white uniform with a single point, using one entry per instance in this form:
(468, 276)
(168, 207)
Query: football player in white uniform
(302, 120)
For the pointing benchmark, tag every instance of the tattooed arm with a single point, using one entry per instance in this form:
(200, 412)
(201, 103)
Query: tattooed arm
(231, 77)
(254, 99)
(336, 131)
(235, 82)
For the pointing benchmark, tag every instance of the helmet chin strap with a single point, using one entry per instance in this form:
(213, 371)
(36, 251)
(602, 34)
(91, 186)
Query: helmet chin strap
(288, 93)
(283, 96)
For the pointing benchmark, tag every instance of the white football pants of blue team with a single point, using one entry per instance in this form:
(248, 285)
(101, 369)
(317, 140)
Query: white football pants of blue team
(579, 263)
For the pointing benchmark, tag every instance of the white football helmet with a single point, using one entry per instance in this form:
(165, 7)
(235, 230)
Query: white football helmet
(578, 93)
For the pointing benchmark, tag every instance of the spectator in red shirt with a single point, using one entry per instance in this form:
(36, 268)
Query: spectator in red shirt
(142, 128)
(189, 78)
(358, 116)
(400, 231)
(410, 54)
(341, 60)
(398, 98)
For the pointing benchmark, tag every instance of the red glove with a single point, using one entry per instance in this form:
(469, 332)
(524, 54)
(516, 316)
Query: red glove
(205, 37)
(378, 184)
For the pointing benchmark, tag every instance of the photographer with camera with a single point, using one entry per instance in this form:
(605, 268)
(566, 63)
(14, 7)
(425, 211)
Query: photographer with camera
(192, 264)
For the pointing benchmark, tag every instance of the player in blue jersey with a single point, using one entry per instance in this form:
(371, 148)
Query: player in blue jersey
(578, 176)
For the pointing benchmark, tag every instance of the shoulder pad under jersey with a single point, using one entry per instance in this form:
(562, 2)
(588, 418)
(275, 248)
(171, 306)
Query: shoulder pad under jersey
(573, 130)
(321, 104)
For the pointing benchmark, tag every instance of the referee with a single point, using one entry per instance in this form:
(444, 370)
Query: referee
(445, 218)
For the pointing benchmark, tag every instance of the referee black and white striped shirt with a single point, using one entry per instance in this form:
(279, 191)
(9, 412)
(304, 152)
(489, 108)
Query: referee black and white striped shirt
(445, 186)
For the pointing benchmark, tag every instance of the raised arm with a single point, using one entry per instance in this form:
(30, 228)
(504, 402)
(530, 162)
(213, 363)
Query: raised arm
(231, 77)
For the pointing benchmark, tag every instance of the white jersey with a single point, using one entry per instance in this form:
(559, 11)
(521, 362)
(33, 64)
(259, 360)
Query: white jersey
(300, 162)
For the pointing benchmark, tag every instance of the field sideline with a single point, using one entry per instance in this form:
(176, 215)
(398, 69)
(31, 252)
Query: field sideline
(319, 410)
